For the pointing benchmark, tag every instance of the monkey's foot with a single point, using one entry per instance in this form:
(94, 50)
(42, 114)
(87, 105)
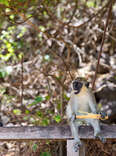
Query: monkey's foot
(77, 145)
(98, 136)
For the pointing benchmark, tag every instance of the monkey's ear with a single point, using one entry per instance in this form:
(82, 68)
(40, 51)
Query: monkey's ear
(87, 84)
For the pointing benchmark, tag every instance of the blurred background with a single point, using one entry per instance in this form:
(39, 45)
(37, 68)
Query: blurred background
(44, 45)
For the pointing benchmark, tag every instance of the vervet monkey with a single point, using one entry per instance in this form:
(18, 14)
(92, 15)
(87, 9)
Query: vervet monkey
(82, 99)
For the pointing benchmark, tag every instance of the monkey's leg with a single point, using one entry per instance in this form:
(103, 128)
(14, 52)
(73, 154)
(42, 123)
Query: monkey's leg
(74, 129)
(97, 131)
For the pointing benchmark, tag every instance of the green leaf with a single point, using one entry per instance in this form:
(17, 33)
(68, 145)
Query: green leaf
(5, 2)
(27, 111)
(8, 69)
(39, 113)
(47, 97)
(25, 118)
(57, 118)
(42, 28)
(45, 154)
(17, 111)
(3, 74)
(66, 97)
(35, 146)
(12, 17)
(45, 122)
(2, 90)
(37, 100)
(20, 56)
(32, 120)
(33, 103)
(45, 13)
(90, 3)
(58, 106)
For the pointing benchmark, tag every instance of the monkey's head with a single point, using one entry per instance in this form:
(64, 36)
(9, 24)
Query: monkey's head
(78, 83)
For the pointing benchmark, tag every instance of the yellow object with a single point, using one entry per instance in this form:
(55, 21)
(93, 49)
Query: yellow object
(90, 115)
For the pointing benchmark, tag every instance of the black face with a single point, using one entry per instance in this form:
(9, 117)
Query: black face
(77, 86)
(87, 84)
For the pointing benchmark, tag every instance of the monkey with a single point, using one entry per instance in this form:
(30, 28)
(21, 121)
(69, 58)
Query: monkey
(82, 99)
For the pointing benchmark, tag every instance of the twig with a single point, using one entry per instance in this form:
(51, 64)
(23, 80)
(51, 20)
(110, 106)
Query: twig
(67, 68)
(93, 16)
(74, 11)
(56, 79)
(22, 87)
(101, 48)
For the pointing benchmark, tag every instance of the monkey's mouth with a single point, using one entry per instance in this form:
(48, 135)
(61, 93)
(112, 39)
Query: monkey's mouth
(77, 86)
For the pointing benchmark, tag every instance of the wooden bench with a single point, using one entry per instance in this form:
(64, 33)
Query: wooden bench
(55, 132)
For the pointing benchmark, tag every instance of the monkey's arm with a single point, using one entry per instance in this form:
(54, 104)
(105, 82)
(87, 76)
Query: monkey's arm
(69, 109)
(92, 102)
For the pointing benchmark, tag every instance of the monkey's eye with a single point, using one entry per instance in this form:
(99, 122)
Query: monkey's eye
(77, 85)
(87, 84)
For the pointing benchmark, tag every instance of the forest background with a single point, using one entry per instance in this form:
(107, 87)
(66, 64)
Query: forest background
(44, 45)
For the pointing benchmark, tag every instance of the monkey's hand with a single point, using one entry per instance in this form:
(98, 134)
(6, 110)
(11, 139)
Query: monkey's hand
(103, 115)
(77, 144)
(99, 136)
(73, 118)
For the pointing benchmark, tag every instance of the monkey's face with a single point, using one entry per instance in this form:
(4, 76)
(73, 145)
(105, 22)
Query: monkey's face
(77, 86)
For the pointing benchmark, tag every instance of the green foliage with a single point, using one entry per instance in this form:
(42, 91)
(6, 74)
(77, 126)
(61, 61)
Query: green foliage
(5, 72)
(37, 100)
(39, 113)
(45, 154)
(9, 44)
(20, 56)
(27, 111)
(34, 147)
(66, 97)
(17, 111)
(42, 28)
(2, 90)
(45, 121)
(57, 118)
(90, 3)
(26, 118)
(5, 2)
(47, 98)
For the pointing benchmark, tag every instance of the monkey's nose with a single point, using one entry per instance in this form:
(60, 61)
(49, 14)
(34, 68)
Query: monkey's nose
(77, 85)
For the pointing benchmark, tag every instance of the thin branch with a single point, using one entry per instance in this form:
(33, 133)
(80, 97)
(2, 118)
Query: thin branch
(65, 64)
(92, 17)
(56, 79)
(101, 48)
(22, 87)
(73, 13)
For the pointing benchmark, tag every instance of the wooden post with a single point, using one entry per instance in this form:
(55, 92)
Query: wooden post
(82, 149)
(70, 149)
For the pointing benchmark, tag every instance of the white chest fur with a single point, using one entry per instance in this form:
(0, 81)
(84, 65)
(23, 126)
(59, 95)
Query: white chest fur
(80, 103)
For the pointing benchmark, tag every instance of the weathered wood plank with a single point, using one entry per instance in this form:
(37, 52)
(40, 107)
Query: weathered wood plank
(52, 132)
